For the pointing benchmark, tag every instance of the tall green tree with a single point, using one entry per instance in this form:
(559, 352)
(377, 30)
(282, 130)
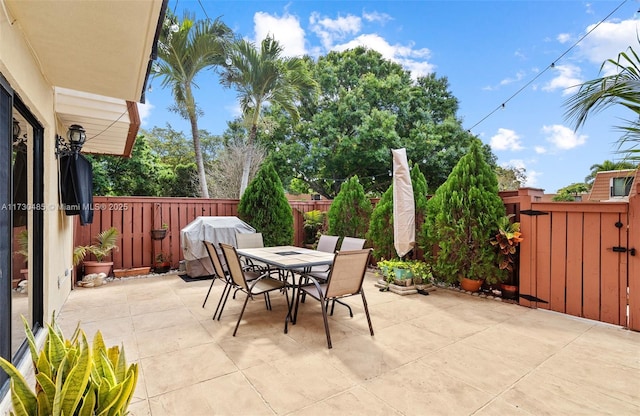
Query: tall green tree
(620, 89)
(263, 76)
(143, 174)
(186, 48)
(462, 217)
(572, 192)
(510, 178)
(350, 211)
(265, 207)
(366, 106)
(605, 166)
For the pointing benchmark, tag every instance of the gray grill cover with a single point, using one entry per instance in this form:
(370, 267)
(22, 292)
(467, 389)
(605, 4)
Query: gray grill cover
(213, 229)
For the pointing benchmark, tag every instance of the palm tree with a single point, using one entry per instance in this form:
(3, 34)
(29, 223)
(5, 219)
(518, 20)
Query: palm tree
(186, 48)
(265, 77)
(621, 88)
(605, 166)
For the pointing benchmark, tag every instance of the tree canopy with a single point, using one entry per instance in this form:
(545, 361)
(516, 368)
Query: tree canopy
(366, 106)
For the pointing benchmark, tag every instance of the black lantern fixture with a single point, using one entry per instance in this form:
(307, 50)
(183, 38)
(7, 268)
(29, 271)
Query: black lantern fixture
(76, 136)
(16, 130)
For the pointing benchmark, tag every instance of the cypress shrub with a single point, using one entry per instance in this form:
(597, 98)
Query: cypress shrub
(265, 207)
(350, 211)
(462, 217)
(381, 226)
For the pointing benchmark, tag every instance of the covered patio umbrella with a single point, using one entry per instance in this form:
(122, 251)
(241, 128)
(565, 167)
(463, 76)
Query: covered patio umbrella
(76, 187)
(404, 217)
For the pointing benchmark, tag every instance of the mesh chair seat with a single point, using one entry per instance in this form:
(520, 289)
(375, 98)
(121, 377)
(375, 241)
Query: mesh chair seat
(345, 279)
(263, 284)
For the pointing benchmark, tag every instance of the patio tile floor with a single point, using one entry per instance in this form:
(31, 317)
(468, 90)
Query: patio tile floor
(443, 354)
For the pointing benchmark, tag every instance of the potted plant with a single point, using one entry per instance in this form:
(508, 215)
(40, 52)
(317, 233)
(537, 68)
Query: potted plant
(104, 244)
(73, 377)
(162, 263)
(313, 222)
(506, 242)
(161, 233)
(405, 272)
(461, 218)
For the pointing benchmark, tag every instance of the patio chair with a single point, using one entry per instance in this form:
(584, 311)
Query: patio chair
(219, 272)
(261, 285)
(327, 244)
(352, 243)
(250, 240)
(345, 279)
(348, 244)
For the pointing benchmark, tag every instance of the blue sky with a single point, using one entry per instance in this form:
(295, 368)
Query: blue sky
(492, 52)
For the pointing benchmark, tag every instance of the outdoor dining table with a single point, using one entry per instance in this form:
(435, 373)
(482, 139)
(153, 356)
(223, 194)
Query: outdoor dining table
(289, 259)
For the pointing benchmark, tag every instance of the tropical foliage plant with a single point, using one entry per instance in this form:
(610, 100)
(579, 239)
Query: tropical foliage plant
(621, 87)
(313, 224)
(506, 242)
(186, 48)
(461, 218)
(265, 207)
(350, 211)
(263, 76)
(73, 377)
(105, 242)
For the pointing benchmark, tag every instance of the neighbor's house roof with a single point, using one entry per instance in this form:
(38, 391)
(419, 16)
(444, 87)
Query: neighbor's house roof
(600, 191)
(97, 55)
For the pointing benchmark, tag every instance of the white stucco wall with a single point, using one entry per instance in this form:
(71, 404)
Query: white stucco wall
(23, 72)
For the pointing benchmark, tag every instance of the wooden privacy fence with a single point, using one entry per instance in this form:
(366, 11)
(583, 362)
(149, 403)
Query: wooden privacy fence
(135, 217)
(577, 258)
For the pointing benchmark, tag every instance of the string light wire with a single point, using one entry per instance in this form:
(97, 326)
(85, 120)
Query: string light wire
(550, 66)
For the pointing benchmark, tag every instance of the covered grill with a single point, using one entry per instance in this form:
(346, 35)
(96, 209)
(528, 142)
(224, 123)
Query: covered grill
(213, 229)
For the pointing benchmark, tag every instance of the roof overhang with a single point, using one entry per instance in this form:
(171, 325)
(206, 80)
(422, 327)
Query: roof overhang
(111, 124)
(101, 48)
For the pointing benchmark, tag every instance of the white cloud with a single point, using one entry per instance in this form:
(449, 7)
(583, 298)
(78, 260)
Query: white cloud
(609, 39)
(540, 149)
(144, 110)
(343, 33)
(562, 137)
(376, 17)
(410, 58)
(567, 79)
(286, 30)
(505, 139)
(532, 178)
(519, 75)
(332, 30)
(563, 37)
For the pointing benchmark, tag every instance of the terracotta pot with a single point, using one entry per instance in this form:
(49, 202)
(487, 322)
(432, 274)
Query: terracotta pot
(508, 291)
(470, 284)
(162, 267)
(97, 267)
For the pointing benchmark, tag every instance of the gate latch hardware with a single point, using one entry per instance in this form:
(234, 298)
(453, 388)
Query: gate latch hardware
(618, 249)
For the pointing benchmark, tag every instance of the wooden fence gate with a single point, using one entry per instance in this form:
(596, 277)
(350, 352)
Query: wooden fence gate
(580, 259)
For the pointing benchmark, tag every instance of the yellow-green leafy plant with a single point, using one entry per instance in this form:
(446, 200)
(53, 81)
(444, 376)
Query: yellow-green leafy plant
(72, 377)
(313, 223)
